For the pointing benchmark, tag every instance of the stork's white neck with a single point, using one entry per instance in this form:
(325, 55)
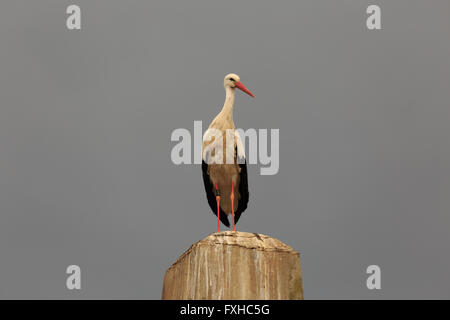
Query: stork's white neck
(227, 110)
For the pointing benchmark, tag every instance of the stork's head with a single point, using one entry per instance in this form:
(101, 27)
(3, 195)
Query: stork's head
(232, 80)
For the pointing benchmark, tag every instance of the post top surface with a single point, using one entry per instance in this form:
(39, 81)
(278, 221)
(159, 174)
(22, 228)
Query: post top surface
(251, 241)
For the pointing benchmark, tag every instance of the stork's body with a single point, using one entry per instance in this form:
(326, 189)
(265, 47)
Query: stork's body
(225, 178)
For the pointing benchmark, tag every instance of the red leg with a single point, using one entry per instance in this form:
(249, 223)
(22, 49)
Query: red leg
(232, 203)
(218, 207)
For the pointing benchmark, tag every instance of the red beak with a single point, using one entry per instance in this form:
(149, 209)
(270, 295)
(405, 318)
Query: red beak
(239, 85)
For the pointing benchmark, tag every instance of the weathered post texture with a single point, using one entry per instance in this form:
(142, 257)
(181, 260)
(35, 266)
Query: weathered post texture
(235, 265)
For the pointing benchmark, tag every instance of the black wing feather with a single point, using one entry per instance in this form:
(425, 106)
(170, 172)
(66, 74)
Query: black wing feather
(211, 196)
(243, 190)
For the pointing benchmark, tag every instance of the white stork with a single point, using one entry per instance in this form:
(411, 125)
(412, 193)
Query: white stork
(225, 178)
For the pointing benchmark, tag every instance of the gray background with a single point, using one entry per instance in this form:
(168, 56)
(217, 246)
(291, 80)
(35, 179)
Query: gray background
(86, 117)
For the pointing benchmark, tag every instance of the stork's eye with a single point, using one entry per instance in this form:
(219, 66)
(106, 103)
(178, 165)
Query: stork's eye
(232, 79)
